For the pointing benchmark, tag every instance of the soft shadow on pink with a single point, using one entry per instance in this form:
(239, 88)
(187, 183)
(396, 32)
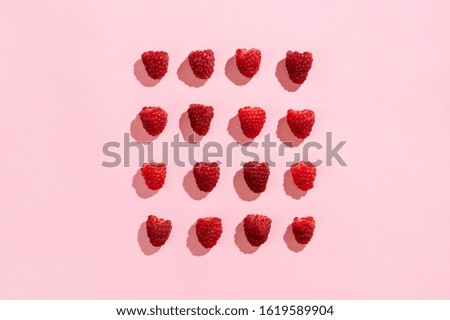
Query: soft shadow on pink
(138, 132)
(193, 245)
(290, 241)
(241, 241)
(233, 74)
(285, 134)
(186, 130)
(191, 188)
(144, 243)
(242, 189)
(141, 75)
(140, 187)
(290, 188)
(283, 77)
(186, 75)
(235, 131)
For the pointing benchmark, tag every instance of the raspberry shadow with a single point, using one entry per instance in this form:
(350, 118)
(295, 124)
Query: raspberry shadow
(186, 130)
(283, 77)
(290, 241)
(144, 243)
(242, 189)
(285, 134)
(235, 131)
(186, 75)
(290, 188)
(193, 245)
(241, 240)
(140, 187)
(141, 75)
(191, 188)
(138, 132)
(233, 74)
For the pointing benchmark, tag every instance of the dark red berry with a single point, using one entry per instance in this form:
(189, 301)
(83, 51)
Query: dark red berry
(257, 229)
(200, 117)
(206, 175)
(248, 61)
(303, 229)
(298, 65)
(252, 121)
(156, 63)
(202, 63)
(154, 120)
(303, 174)
(256, 175)
(208, 231)
(158, 230)
(300, 122)
(154, 175)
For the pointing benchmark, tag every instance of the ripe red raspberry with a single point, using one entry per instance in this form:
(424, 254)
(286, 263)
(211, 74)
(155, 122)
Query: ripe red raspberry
(208, 231)
(300, 122)
(257, 228)
(206, 175)
(256, 175)
(158, 230)
(248, 61)
(303, 174)
(154, 175)
(154, 120)
(252, 120)
(298, 65)
(303, 229)
(200, 117)
(202, 63)
(156, 63)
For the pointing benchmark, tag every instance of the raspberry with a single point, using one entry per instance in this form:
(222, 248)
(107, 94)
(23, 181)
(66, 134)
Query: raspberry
(248, 61)
(208, 231)
(300, 122)
(298, 65)
(200, 117)
(257, 228)
(303, 174)
(303, 229)
(158, 230)
(206, 175)
(256, 175)
(252, 120)
(156, 63)
(154, 175)
(202, 63)
(154, 120)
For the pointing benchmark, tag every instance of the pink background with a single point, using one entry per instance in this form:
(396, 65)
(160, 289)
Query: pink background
(70, 82)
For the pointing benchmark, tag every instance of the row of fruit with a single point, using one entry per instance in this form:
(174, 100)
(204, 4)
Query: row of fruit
(256, 175)
(247, 61)
(252, 120)
(209, 230)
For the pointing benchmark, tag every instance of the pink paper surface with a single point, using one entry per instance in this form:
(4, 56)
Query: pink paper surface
(71, 81)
